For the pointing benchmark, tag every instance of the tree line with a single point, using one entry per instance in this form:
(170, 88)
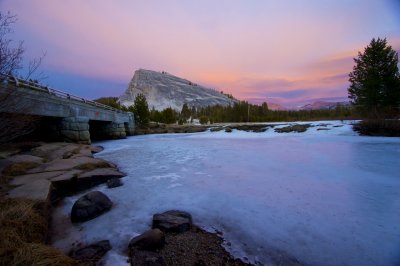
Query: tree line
(240, 111)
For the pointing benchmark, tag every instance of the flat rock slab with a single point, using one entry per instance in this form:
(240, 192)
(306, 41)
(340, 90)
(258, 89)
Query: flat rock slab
(25, 158)
(24, 179)
(83, 152)
(66, 176)
(67, 164)
(102, 172)
(95, 177)
(36, 190)
(54, 150)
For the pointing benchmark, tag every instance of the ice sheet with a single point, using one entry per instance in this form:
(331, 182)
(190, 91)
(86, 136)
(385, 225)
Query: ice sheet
(324, 197)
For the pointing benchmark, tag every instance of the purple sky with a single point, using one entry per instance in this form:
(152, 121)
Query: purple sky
(287, 52)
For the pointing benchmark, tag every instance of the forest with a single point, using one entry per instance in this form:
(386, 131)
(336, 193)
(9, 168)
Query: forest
(241, 111)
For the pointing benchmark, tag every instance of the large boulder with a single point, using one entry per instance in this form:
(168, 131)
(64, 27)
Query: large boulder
(153, 239)
(173, 221)
(90, 206)
(92, 253)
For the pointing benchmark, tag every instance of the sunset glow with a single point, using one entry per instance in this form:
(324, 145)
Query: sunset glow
(286, 52)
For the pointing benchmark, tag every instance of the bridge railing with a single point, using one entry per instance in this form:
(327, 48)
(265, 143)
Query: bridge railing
(37, 87)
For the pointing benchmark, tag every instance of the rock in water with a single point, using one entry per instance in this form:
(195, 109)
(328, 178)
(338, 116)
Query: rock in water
(150, 240)
(92, 253)
(114, 182)
(163, 90)
(90, 206)
(173, 221)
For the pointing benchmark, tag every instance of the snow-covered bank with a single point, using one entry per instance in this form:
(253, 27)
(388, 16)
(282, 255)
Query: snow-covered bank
(326, 197)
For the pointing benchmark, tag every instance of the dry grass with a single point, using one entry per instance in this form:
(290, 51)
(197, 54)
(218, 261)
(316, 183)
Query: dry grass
(23, 230)
(92, 166)
(24, 217)
(5, 185)
(19, 168)
(41, 255)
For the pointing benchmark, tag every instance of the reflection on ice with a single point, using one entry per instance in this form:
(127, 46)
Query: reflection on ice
(326, 197)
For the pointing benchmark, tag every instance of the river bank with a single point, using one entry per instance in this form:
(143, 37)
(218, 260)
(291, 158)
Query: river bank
(36, 176)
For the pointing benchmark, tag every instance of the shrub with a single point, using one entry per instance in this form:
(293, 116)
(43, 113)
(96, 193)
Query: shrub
(39, 254)
(378, 127)
(203, 120)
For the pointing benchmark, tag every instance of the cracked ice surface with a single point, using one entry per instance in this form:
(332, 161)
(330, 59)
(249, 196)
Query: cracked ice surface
(324, 197)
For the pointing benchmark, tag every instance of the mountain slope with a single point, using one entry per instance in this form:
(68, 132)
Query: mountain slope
(320, 105)
(163, 90)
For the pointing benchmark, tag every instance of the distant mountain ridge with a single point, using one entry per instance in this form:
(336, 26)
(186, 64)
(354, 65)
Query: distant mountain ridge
(322, 105)
(163, 90)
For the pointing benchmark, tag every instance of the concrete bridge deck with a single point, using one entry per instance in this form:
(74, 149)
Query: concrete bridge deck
(75, 114)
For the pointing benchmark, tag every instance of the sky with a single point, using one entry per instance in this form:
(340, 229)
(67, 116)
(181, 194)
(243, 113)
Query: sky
(288, 52)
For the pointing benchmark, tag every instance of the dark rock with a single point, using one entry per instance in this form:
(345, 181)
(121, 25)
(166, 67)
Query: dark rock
(294, 128)
(216, 129)
(96, 149)
(228, 129)
(114, 182)
(146, 258)
(92, 253)
(322, 128)
(251, 128)
(150, 240)
(173, 221)
(90, 206)
(260, 130)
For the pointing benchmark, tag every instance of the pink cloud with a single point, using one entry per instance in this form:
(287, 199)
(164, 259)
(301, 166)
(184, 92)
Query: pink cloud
(250, 50)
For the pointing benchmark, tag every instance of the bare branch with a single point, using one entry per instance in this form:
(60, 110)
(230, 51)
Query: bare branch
(33, 67)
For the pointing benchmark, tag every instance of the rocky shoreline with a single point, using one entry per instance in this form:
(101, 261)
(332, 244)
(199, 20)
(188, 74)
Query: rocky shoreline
(44, 173)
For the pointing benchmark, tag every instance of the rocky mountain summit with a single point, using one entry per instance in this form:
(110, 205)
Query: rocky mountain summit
(163, 90)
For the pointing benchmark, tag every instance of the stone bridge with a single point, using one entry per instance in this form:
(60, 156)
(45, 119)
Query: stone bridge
(69, 118)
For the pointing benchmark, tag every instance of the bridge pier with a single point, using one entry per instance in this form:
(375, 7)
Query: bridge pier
(130, 127)
(115, 130)
(75, 129)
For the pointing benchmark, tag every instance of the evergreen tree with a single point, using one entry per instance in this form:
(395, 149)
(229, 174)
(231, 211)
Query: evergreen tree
(141, 109)
(185, 113)
(111, 101)
(375, 79)
(169, 116)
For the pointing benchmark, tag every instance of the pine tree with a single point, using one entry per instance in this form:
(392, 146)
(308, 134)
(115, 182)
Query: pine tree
(375, 79)
(169, 115)
(141, 109)
(185, 113)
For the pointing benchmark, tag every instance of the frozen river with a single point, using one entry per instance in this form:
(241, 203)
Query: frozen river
(327, 197)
